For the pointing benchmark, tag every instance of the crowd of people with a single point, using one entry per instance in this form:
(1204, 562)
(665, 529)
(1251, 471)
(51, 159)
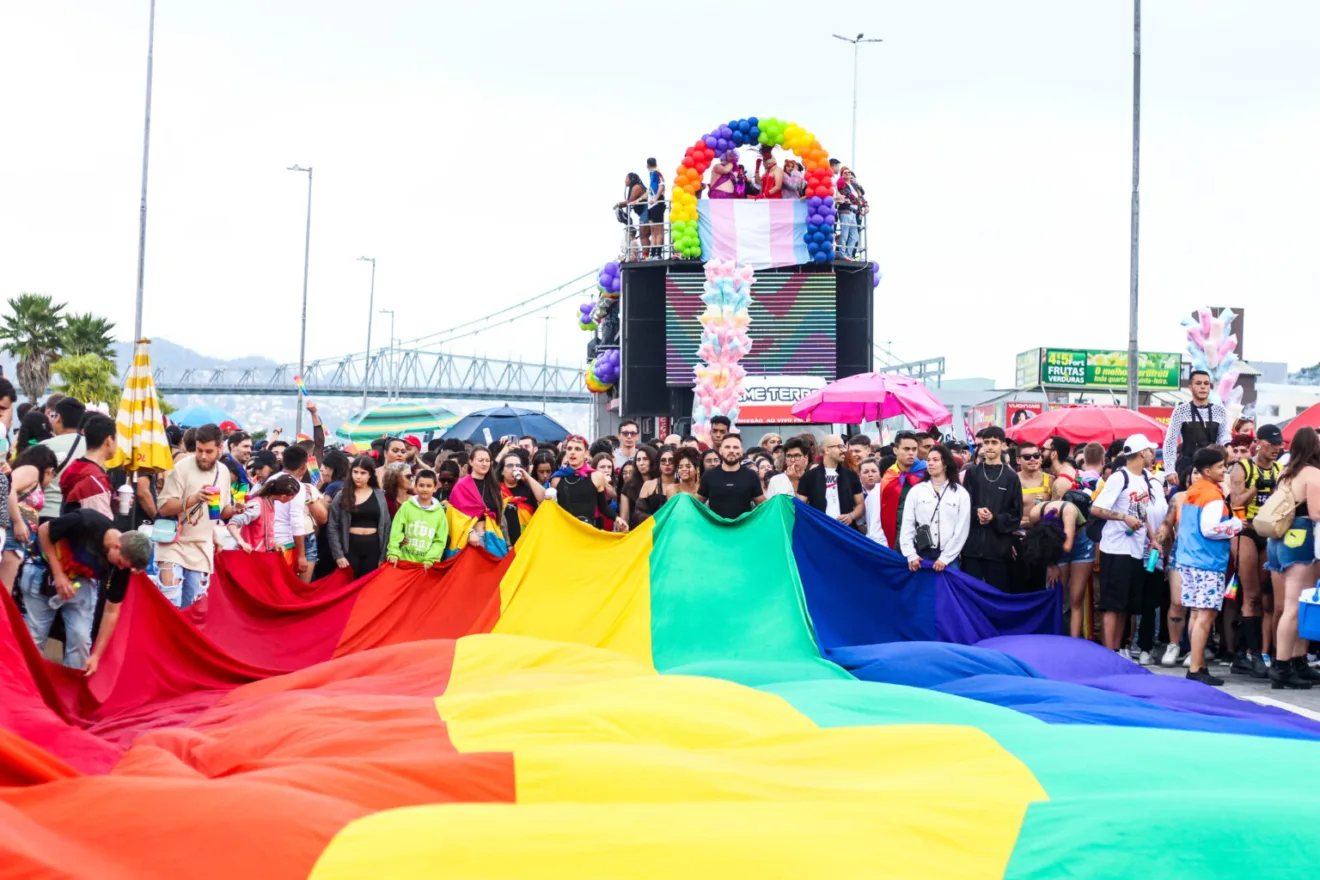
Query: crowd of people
(1195, 564)
(642, 208)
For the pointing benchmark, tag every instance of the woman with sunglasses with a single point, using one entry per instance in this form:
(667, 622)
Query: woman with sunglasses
(656, 492)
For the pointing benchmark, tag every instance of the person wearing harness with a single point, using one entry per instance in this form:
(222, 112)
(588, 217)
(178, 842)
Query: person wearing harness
(1251, 484)
(1195, 424)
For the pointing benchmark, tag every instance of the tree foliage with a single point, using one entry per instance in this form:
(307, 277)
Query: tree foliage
(88, 334)
(89, 378)
(31, 332)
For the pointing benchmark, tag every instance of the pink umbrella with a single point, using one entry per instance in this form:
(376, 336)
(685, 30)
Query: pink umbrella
(870, 397)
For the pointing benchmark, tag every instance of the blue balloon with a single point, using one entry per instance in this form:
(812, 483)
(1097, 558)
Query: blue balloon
(820, 257)
(754, 121)
(744, 124)
(755, 132)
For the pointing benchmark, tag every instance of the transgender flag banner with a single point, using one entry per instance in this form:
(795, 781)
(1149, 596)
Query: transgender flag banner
(759, 233)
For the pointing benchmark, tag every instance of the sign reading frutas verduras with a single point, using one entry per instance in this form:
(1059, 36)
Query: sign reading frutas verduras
(1086, 368)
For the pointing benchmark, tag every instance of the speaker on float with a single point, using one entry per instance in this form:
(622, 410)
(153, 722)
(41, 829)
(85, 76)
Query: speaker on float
(642, 389)
(854, 317)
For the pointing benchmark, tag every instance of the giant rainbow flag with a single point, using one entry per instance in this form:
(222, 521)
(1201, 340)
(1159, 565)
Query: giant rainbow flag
(772, 697)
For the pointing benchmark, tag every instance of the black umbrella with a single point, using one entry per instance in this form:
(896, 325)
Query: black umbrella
(489, 425)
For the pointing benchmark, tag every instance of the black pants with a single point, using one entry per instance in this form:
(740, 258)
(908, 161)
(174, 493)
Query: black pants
(1026, 578)
(363, 554)
(1154, 604)
(994, 572)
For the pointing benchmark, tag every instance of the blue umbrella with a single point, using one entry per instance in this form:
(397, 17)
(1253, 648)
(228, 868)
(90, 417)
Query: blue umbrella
(489, 425)
(196, 416)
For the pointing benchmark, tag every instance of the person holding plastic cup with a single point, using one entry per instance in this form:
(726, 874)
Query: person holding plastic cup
(197, 496)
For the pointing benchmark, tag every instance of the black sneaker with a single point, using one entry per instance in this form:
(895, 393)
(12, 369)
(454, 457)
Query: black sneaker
(1204, 677)
(1258, 667)
(1241, 664)
(1284, 675)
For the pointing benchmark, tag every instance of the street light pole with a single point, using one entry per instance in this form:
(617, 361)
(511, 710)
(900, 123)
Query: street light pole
(545, 366)
(307, 254)
(393, 370)
(371, 308)
(1133, 354)
(856, 44)
(146, 149)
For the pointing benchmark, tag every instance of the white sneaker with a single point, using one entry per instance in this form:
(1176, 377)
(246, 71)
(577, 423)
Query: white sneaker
(1144, 658)
(1187, 661)
(1312, 660)
(1170, 655)
(1122, 652)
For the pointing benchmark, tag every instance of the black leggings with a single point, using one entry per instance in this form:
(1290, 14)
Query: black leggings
(363, 554)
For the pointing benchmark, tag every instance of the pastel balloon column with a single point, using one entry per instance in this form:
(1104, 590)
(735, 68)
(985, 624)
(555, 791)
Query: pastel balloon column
(752, 131)
(724, 341)
(1213, 348)
(604, 371)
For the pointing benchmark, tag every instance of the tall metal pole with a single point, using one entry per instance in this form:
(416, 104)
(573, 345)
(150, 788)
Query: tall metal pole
(852, 154)
(1133, 353)
(146, 149)
(307, 256)
(856, 44)
(393, 371)
(371, 308)
(545, 366)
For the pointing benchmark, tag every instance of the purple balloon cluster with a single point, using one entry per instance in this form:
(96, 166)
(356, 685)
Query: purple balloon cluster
(875, 274)
(821, 215)
(609, 280)
(604, 371)
(585, 319)
(737, 133)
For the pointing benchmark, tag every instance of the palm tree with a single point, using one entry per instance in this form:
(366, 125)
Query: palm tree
(31, 333)
(88, 334)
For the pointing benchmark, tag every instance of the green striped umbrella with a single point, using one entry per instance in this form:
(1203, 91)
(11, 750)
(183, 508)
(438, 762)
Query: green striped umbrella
(396, 420)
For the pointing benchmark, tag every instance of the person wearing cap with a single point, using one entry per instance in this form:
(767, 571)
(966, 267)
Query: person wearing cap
(1132, 502)
(414, 449)
(1251, 483)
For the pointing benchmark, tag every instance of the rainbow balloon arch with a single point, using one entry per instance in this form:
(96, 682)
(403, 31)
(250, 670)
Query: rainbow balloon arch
(727, 293)
(754, 131)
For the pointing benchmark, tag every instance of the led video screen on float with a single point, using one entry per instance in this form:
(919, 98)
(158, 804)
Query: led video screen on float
(793, 325)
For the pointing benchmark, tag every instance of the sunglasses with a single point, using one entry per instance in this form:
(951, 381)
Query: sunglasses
(666, 459)
(628, 433)
(1029, 456)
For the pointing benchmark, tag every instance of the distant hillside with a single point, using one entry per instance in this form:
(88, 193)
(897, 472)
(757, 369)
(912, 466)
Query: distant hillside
(1307, 376)
(167, 354)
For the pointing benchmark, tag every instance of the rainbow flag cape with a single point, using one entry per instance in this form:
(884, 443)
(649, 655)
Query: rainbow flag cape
(773, 697)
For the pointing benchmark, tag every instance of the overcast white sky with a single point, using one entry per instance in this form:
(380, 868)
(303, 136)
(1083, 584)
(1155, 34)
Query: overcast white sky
(475, 149)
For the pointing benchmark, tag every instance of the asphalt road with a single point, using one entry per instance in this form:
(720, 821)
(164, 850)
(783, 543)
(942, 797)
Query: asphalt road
(1244, 687)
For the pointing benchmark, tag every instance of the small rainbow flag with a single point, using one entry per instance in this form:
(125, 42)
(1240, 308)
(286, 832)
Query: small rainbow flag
(302, 386)
(313, 470)
(1231, 591)
(240, 492)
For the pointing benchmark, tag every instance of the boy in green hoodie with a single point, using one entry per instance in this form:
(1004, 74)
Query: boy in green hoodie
(421, 527)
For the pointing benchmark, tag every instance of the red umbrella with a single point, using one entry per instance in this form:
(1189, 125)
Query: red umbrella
(1088, 424)
(1309, 418)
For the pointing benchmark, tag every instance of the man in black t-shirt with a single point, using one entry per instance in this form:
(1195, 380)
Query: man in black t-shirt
(730, 489)
(84, 550)
(832, 488)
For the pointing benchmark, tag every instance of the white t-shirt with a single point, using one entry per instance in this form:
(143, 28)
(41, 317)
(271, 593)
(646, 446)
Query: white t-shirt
(1134, 498)
(779, 484)
(290, 518)
(832, 492)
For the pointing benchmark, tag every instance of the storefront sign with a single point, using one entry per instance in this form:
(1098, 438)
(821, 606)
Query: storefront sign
(1018, 411)
(768, 400)
(1086, 368)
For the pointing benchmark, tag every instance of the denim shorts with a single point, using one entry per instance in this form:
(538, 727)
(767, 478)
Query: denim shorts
(309, 547)
(1295, 548)
(1083, 549)
(11, 544)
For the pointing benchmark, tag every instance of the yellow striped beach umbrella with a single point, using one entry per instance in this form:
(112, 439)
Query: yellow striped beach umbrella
(140, 424)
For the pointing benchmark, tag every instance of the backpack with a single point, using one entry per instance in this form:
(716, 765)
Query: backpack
(1081, 499)
(1094, 525)
(1276, 516)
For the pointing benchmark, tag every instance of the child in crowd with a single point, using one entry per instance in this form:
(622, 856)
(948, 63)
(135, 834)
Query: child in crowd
(421, 527)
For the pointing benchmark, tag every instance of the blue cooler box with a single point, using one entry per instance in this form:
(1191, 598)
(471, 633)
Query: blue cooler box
(1308, 614)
